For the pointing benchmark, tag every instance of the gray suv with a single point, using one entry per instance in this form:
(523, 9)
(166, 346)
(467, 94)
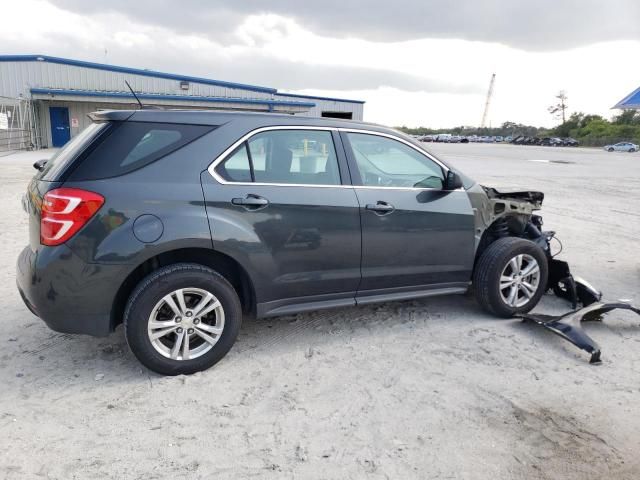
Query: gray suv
(176, 223)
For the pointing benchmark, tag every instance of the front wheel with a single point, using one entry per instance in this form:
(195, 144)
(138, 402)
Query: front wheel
(182, 319)
(631, 150)
(610, 149)
(510, 277)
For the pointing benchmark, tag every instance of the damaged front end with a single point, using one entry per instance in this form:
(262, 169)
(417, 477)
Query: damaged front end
(511, 214)
(502, 214)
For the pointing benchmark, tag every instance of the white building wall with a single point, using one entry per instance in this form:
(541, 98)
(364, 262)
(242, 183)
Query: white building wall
(323, 105)
(19, 77)
(334, 106)
(80, 108)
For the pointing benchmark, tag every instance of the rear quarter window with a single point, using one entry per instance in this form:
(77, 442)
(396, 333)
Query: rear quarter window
(128, 146)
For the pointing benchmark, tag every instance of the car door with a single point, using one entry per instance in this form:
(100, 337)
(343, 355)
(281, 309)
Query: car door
(280, 202)
(415, 235)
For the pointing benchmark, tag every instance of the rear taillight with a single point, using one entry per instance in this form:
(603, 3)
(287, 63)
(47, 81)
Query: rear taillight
(64, 212)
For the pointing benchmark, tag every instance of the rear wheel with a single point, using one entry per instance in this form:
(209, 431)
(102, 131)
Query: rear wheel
(182, 319)
(510, 276)
(631, 150)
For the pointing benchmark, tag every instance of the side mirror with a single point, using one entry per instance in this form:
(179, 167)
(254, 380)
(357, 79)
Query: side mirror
(453, 181)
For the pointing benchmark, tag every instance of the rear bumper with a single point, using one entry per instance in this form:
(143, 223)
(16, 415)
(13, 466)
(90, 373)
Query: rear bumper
(69, 295)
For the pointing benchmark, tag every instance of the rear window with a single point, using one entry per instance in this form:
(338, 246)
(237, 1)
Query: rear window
(59, 162)
(128, 146)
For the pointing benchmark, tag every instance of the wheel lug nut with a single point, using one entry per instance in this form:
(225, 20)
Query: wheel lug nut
(190, 331)
(189, 314)
(196, 321)
(178, 319)
(179, 330)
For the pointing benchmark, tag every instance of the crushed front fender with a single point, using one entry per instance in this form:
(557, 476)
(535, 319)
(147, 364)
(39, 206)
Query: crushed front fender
(569, 325)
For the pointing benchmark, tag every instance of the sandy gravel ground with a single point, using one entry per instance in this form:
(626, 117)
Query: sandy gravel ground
(424, 389)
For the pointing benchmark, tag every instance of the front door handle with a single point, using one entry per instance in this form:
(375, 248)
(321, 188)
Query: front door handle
(251, 202)
(381, 208)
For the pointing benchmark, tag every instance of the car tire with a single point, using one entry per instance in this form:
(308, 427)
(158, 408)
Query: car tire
(170, 298)
(631, 150)
(609, 149)
(494, 293)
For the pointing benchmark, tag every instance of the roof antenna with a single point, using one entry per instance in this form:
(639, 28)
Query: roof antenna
(134, 94)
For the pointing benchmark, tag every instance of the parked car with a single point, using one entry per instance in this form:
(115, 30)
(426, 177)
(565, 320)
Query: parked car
(498, 138)
(622, 147)
(551, 142)
(442, 137)
(570, 142)
(175, 223)
(426, 138)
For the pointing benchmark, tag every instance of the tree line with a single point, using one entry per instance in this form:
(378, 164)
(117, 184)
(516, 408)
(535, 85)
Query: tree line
(589, 130)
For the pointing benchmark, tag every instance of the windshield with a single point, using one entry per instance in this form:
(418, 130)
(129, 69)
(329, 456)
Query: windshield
(61, 159)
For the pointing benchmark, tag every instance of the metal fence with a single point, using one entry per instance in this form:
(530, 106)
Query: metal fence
(18, 125)
(600, 141)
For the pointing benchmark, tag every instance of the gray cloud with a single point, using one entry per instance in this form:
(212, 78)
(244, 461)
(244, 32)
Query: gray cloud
(296, 76)
(529, 25)
(253, 68)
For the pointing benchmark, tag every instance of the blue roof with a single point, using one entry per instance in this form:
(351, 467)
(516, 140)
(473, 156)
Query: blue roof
(155, 74)
(153, 96)
(133, 71)
(630, 101)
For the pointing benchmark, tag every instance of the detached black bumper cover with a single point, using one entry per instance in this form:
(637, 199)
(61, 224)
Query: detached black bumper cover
(569, 325)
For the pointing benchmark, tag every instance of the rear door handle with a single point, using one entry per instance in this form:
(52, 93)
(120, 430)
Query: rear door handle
(251, 202)
(381, 208)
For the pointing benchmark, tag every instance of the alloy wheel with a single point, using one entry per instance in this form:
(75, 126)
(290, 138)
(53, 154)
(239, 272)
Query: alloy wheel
(519, 280)
(186, 323)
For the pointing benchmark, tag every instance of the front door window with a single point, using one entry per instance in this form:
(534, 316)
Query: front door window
(384, 162)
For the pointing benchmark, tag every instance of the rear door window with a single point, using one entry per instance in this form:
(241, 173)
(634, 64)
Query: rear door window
(129, 146)
(288, 157)
(237, 167)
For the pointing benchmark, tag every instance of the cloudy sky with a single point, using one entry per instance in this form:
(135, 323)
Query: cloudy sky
(415, 62)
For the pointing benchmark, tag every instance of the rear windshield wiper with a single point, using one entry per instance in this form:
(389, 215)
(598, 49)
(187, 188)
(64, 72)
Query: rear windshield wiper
(39, 165)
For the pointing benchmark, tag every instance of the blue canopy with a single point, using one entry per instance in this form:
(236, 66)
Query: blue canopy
(631, 101)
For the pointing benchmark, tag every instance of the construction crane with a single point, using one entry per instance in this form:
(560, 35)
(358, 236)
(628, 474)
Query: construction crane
(488, 101)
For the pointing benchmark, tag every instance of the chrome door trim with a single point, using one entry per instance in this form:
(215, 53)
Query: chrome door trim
(220, 158)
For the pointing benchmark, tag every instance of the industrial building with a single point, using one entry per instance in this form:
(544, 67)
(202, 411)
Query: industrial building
(44, 101)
